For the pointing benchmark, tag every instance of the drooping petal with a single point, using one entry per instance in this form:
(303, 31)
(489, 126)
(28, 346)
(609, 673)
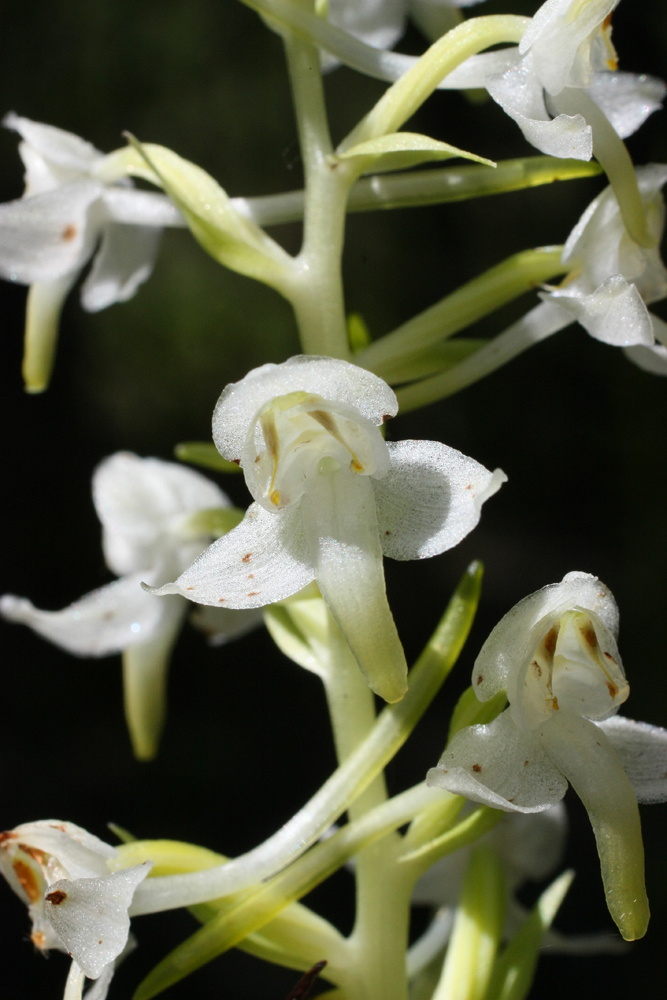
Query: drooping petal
(103, 622)
(340, 525)
(582, 752)
(515, 636)
(42, 322)
(140, 208)
(145, 667)
(62, 148)
(627, 99)
(90, 916)
(614, 313)
(138, 499)
(519, 93)
(431, 498)
(642, 750)
(123, 262)
(651, 359)
(501, 766)
(50, 235)
(263, 560)
(222, 625)
(327, 377)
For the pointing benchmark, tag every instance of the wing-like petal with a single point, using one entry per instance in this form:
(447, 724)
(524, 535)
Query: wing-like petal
(123, 262)
(55, 144)
(138, 499)
(516, 635)
(431, 498)
(582, 752)
(263, 560)
(614, 313)
(326, 377)
(103, 622)
(47, 236)
(650, 359)
(642, 750)
(340, 525)
(90, 916)
(501, 766)
(627, 99)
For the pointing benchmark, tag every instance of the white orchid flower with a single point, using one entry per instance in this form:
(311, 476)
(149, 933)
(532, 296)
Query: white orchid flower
(150, 531)
(331, 497)
(566, 49)
(555, 654)
(73, 209)
(611, 280)
(77, 902)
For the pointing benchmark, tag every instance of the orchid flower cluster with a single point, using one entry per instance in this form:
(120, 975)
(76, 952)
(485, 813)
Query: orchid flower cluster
(334, 492)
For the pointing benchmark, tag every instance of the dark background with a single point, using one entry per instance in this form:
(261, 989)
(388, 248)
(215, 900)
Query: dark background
(580, 431)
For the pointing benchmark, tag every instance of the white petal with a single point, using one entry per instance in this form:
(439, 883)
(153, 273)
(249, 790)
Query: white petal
(221, 625)
(139, 499)
(614, 313)
(516, 635)
(76, 851)
(145, 667)
(431, 498)
(103, 622)
(650, 359)
(49, 235)
(519, 93)
(627, 99)
(474, 72)
(140, 208)
(90, 916)
(582, 752)
(377, 22)
(100, 988)
(499, 766)
(340, 525)
(642, 750)
(263, 560)
(123, 262)
(62, 148)
(327, 377)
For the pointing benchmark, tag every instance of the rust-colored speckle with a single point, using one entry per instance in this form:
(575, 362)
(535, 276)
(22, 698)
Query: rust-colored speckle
(221, 600)
(253, 593)
(56, 897)
(27, 880)
(99, 942)
(469, 486)
(38, 938)
(69, 233)
(58, 826)
(34, 853)
(550, 640)
(189, 588)
(525, 763)
(387, 532)
(590, 636)
(537, 668)
(610, 657)
(386, 417)
(612, 689)
(477, 768)
(246, 557)
(7, 835)
(251, 576)
(555, 702)
(479, 678)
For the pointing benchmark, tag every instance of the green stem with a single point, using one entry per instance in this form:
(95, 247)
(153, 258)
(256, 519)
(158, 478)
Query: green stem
(538, 324)
(477, 298)
(317, 292)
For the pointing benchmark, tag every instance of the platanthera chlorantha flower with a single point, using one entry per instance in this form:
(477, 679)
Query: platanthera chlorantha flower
(75, 207)
(555, 654)
(565, 53)
(331, 497)
(76, 900)
(156, 518)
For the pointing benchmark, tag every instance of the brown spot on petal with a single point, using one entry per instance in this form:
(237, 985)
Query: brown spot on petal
(525, 762)
(477, 768)
(550, 640)
(69, 233)
(99, 942)
(251, 576)
(236, 461)
(246, 557)
(387, 532)
(221, 600)
(613, 690)
(38, 938)
(386, 417)
(555, 703)
(469, 486)
(7, 835)
(34, 853)
(253, 593)
(27, 880)
(56, 897)
(537, 668)
(189, 588)
(480, 679)
(590, 636)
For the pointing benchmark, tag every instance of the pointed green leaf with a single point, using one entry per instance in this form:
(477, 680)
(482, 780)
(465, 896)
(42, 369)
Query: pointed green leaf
(400, 150)
(206, 454)
(229, 237)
